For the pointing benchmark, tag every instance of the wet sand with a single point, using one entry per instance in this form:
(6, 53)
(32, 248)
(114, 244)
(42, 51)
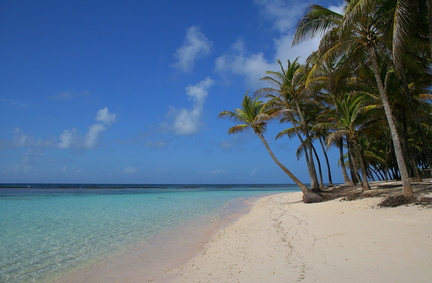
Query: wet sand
(152, 259)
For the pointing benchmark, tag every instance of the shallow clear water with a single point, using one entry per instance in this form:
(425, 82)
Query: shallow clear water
(48, 231)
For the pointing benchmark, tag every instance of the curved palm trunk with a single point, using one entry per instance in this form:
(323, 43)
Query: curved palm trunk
(406, 184)
(288, 172)
(308, 195)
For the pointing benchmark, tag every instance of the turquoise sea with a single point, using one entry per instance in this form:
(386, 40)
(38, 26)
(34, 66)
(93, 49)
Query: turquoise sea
(50, 229)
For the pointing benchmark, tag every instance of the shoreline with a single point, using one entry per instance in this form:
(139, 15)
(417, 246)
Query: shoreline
(149, 260)
(278, 238)
(282, 239)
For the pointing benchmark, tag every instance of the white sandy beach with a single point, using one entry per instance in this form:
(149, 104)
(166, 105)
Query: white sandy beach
(285, 240)
(282, 239)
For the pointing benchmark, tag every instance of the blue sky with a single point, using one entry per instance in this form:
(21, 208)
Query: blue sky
(129, 91)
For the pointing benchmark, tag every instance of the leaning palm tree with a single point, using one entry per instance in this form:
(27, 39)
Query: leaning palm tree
(254, 115)
(287, 98)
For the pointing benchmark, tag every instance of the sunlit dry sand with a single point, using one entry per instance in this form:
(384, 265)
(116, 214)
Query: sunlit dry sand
(285, 240)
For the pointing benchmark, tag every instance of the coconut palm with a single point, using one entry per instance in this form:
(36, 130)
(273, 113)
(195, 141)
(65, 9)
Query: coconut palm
(287, 98)
(254, 115)
(409, 26)
(329, 79)
(351, 120)
(360, 36)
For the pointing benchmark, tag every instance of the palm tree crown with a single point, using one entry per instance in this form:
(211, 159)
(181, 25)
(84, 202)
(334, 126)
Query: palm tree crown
(253, 114)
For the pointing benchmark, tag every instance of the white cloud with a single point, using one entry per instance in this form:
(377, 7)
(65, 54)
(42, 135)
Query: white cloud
(285, 50)
(188, 121)
(71, 138)
(253, 172)
(239, 61)
(93, 134)
(21, 139)
(105, 117)
(67, 138)
(338, 9)
(284, 16)
(196, 45)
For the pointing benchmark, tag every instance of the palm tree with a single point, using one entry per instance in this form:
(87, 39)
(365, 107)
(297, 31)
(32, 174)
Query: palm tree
(254, 115)
(409, 25)
(287, 99)
(351, 120)
(328, 79)
(360, 36)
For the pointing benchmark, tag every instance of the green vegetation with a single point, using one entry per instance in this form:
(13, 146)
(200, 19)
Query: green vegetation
(366, 90)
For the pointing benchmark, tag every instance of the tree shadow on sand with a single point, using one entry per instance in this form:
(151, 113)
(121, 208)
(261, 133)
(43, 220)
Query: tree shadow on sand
(389, 190)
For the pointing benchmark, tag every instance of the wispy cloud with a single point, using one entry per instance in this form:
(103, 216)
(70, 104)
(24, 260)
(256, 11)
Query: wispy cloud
(188, 121)
(196, 45)
(22, 139)
(130, 170)
(217, 172)
(236, 142)
(155, 144)
(283, 17)
(71, 138)
(68, 95)
(17, 104)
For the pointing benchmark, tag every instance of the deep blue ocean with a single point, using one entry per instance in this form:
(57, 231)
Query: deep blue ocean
(47, 230)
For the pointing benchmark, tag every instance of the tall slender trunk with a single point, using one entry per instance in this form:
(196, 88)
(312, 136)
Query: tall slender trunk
(308, 144)
(302, 186)
(406, 184)
(387, 169)
(353, 168)
(417, 132)
(308, 195)
(413, 169)
(311, 170)
(347, 180)
(330, 180)
(360, 159)
(311, 167)
(319, 167)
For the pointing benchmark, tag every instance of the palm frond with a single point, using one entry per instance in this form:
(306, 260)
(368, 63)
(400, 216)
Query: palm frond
(238, 129)
(316, 21)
